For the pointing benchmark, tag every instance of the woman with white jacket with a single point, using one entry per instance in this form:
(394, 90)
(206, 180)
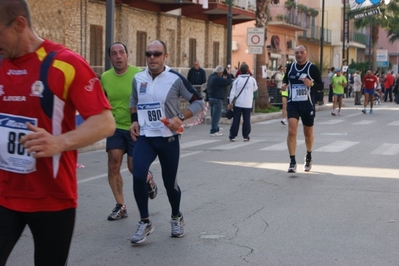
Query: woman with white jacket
(357, 87)
(243, 90)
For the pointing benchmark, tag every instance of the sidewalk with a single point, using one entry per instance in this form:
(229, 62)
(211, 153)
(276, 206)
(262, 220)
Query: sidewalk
(256, 117)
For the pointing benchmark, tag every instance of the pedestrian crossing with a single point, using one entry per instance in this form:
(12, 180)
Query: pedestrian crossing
(332, 147)
(268, 145)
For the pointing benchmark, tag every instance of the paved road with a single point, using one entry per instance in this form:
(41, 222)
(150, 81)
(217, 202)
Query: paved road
(242, 208)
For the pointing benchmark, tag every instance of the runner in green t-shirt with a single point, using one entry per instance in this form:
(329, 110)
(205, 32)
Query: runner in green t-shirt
(338, 83)
(117, 84)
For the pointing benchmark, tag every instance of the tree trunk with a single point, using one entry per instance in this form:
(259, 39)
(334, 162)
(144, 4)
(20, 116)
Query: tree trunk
(374, 39)
(262, 101)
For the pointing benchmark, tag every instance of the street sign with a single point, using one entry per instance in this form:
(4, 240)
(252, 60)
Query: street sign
(255, 49)
(382, 64)
(256, 37)
(382, 55)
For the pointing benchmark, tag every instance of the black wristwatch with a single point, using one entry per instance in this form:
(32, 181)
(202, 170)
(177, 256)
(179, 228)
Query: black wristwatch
(180, 116)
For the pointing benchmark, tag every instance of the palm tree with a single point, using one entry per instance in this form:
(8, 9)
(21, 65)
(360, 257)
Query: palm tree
(392, 21)
(386, 19)
(261, 21)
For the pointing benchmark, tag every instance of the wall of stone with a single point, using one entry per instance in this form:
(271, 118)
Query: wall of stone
(68, 22)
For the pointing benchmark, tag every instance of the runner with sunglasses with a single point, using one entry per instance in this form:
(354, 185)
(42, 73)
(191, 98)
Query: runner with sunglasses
(156, 95)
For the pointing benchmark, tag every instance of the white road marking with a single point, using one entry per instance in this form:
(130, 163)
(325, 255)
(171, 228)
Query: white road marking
(281, 146)
(387, 149)
(337, 146)
(364, 122)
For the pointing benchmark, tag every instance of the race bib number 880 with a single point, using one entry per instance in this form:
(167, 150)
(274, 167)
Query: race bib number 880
(13, 156)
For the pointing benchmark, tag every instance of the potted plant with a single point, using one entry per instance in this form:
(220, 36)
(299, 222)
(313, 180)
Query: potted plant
(313, 12)
(290, 4)
(302, 8)
(280, 17)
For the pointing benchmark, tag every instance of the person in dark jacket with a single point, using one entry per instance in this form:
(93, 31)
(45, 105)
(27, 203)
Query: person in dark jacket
(216, 92)
(196, 75)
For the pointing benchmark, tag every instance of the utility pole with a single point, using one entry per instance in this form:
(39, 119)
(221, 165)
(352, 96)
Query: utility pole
(229, 33)
(344, 35)
(322, 36)
(109, 29)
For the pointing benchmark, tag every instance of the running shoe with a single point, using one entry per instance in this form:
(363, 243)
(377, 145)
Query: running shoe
(151, 186)
(307, 165)
(216, 134)
(292, 168)
(220, 130)
(118, 212)
(143, 230)
(284, 121)
(232, 140)
(339, 113)
(371, 111)
(364, 111)
(177, 224)
(246, 139)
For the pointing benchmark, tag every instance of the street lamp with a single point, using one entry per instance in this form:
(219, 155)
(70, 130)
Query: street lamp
(322, 36)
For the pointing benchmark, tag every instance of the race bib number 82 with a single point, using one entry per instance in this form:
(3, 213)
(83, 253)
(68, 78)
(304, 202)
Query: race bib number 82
(13, 156)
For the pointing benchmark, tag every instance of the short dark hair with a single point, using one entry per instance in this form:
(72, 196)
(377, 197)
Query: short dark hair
(11, 9)
(332, 68)
(244, 68)
(109, 48)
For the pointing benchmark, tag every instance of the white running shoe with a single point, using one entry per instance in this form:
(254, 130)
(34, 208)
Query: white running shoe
(143, 230)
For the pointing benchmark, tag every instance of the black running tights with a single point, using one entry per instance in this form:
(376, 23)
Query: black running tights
(52, 234)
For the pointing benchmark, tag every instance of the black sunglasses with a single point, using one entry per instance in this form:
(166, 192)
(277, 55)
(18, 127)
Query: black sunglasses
(155, 54)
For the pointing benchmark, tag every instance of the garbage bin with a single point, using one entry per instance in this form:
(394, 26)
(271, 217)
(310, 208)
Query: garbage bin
(274, 94)
(255, 94)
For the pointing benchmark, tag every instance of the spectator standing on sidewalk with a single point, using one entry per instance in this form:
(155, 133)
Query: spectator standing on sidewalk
(216, 89)
(156, 95)
(395, 89)
(338, 83)
(331, 73)
(196, 75)
(117, 85)
(302, 79)
(357, 86)
(243, 88)
(38, 169)
(388, 84)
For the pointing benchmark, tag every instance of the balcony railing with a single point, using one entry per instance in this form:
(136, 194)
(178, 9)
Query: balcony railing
(292, 16)
(359, 38)
(314, 33)
(243, 4)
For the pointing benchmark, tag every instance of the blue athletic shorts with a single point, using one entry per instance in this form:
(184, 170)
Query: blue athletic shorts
(121, 140)
(369, 92)
(339, 95)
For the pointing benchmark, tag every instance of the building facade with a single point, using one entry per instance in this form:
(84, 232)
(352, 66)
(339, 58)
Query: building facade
(191, 29)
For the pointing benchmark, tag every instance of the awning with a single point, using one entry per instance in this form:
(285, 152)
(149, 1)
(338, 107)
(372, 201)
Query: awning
(273, 55)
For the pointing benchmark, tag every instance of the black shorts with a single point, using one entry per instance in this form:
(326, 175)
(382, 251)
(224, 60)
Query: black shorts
(307, 116)
(121, 140)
